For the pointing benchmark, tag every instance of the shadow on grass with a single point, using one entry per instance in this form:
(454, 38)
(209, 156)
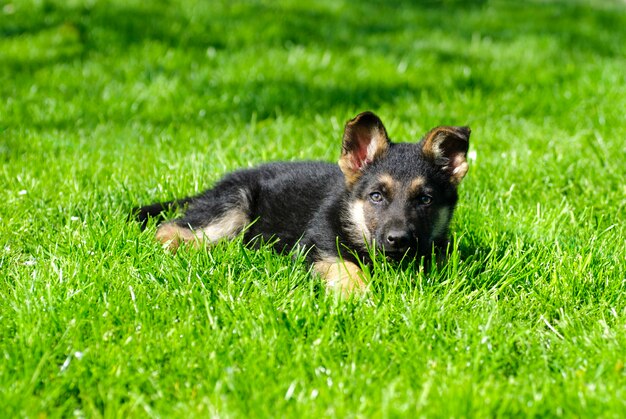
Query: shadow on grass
(78, 33)
(105, 26)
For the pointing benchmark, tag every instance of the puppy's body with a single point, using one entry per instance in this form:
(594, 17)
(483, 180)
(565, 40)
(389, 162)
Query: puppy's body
(394, 198)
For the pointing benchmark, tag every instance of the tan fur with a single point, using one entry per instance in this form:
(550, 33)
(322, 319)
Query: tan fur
(415, 185)
(432, 147)
(172, 235)
(225, 227)
(378, 146)
(358, 133)
(459, 172)
(433, 150)
(389, 183)
(350, 168)
(347, 167)
(345, 277)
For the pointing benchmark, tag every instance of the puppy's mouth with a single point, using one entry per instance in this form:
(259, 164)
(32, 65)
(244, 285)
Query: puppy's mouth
(414, 251)
(399, 255)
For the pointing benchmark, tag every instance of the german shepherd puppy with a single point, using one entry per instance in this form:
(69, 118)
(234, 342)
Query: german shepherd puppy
(394, 198)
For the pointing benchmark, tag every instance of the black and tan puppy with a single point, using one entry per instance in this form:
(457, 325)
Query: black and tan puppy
(394, 198)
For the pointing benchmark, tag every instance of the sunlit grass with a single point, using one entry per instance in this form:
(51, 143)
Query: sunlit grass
(108, 105)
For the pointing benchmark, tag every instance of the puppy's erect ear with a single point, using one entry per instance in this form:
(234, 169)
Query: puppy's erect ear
(447, 147)
(364, 140)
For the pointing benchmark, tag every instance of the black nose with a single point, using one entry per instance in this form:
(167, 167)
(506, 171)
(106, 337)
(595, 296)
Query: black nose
(398, 240)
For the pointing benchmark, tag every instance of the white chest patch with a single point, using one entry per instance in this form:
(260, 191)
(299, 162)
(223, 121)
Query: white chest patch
(357, 230)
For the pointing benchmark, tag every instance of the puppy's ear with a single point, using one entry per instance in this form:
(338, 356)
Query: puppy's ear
(447, 148)
(364, 140)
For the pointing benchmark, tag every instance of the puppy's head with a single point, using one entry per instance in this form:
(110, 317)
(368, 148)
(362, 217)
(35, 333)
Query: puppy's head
(401, 195)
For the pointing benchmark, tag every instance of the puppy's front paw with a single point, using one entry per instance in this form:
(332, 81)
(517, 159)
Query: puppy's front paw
(343, 277)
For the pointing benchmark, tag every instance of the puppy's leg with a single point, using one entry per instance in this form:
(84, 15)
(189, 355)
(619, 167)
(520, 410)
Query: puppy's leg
(220, 213)
(225, 226)
(340, 275)
(172, 235)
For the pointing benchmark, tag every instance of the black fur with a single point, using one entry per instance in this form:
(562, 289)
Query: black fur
(157, 210)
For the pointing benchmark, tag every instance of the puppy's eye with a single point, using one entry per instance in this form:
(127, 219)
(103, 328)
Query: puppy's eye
(425, 199)
(376, 197)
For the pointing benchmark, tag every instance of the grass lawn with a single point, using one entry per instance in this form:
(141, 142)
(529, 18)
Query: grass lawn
(110, 104)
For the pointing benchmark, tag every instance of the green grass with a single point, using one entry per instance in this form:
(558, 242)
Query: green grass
(111, 104)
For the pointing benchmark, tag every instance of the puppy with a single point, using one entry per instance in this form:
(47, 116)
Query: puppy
(393, 198)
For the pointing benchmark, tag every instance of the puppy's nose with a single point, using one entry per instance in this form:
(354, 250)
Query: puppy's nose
(398, 239)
